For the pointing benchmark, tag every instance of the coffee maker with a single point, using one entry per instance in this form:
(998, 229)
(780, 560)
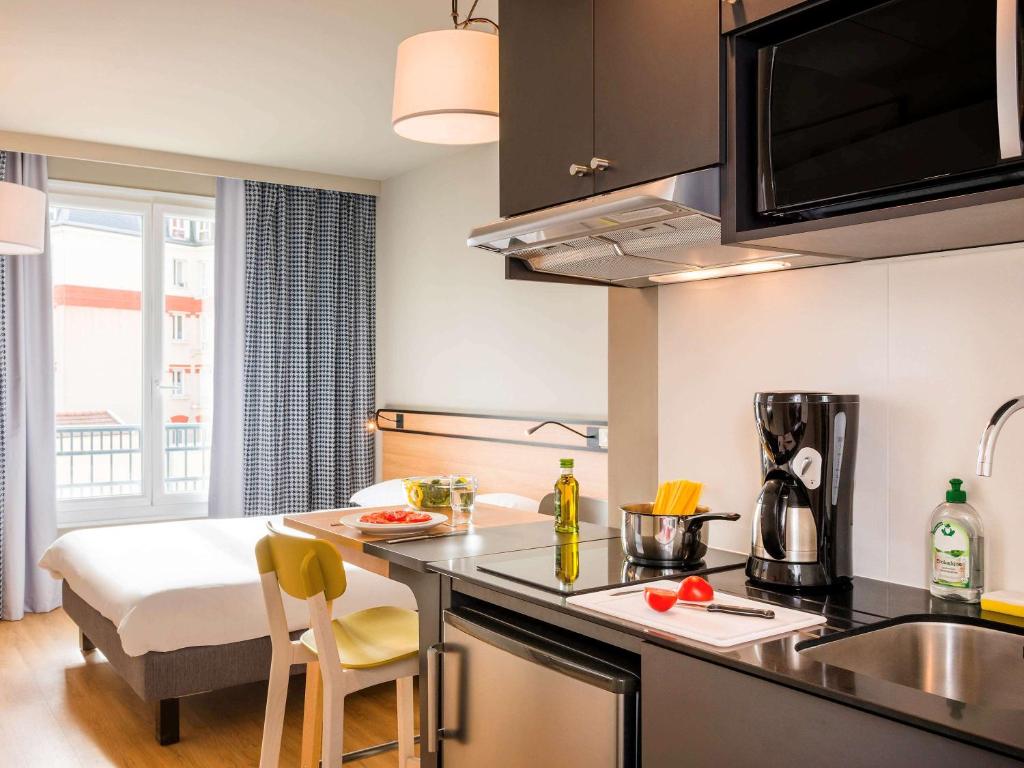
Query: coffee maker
(803, 518)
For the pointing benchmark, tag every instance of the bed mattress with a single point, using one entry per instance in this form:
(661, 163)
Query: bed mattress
(167, 586)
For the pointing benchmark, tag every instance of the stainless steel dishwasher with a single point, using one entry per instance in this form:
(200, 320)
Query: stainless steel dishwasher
(509, 695)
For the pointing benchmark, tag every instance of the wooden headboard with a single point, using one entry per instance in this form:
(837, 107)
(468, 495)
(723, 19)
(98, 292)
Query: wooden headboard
(496, 449)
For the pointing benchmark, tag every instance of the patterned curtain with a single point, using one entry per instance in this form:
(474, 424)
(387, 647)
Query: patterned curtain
(308, 348)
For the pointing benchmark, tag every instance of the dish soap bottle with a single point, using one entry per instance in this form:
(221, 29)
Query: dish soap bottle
(956, 543)
(567, 500)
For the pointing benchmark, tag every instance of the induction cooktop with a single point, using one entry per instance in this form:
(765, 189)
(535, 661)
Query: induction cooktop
(574, 569)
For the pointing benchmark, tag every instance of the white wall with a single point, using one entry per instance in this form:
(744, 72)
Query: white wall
(452, 333)
(931, 344)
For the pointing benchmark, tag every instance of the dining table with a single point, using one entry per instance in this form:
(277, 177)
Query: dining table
(489, 530)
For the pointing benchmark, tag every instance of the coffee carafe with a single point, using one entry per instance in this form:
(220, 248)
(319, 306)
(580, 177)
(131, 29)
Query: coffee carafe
(803, 518)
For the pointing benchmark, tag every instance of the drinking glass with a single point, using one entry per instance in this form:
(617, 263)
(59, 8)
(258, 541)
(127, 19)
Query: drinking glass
(463, 497)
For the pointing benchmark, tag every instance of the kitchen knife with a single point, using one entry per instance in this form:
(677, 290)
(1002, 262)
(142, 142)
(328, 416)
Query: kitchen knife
(738, 610)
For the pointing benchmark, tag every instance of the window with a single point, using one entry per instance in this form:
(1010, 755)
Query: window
(133, 389)
(204, 232)
(177, 228)
(177, 328)
(178, 273)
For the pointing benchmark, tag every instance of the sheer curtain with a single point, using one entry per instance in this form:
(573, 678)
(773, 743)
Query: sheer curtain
(228, 329)
(28, 516)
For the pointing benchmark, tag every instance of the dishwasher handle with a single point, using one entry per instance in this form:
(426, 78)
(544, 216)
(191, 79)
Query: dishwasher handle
(536, 650)
(433, 693)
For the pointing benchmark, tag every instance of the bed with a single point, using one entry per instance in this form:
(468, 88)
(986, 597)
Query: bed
(176, 607)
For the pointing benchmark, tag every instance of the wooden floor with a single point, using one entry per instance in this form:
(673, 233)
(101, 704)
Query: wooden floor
(58, 708)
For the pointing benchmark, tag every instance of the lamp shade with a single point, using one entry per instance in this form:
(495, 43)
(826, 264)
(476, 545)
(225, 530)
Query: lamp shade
(446, 87)
(22, 220)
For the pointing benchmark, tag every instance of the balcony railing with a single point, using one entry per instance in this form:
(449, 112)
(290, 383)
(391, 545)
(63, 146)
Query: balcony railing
(100, 461)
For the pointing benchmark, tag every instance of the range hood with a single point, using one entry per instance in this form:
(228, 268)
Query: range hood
(627, 237)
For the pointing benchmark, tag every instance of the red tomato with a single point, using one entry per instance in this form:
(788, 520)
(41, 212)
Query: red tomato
(391, 516)
(695, 590)
(660, 599)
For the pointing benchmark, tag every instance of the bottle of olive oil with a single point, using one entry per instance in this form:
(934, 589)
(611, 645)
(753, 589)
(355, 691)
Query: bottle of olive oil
(567, 500)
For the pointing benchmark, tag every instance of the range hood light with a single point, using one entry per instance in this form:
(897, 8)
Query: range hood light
(749, 268)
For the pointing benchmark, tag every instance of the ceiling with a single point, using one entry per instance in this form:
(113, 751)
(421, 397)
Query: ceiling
(303, 84)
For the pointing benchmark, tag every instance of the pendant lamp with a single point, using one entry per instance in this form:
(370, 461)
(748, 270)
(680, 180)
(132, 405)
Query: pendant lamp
(22, 220)
(446, 84)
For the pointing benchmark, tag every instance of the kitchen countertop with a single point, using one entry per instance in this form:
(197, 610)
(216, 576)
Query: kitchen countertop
(416, 554)
(867, 602)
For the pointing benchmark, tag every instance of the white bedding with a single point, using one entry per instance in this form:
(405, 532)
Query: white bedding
(176, 585)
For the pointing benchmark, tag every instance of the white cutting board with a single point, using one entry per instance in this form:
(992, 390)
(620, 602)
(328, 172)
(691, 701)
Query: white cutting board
(719, 629)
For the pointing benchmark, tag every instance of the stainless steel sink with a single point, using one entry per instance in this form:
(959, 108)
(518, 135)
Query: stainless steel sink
(965, 662)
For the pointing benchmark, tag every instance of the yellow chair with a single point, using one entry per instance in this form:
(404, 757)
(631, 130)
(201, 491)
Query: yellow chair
(365, 648)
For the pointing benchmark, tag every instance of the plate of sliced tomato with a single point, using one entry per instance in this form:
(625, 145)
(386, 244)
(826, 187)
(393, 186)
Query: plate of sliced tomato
(390, 521)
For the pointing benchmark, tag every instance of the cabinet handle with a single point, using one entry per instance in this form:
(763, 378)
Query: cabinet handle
(575, 169)
(730, 2)
(600, 164)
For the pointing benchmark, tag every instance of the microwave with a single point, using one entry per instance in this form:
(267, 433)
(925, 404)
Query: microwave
(872, 104)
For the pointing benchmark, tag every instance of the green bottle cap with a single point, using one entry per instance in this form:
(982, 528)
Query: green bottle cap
(956, 495)
(565, 463)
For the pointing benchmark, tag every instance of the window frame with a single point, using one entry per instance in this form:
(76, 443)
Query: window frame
(153, 503)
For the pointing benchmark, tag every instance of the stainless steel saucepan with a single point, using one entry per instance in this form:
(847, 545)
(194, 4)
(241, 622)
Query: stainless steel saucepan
(650, 539)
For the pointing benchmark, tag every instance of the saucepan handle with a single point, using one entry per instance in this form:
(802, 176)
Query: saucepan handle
(693, 522)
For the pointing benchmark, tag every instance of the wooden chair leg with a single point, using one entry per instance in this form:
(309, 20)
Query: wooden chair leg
(167, 721)
(312, 717)
(406, 726)
(333, 725)
(273, 720)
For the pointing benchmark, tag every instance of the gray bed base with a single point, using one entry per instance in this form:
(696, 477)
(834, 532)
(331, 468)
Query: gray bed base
(161, 679)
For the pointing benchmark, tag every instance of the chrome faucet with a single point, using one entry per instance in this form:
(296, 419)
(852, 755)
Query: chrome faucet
(987, 446)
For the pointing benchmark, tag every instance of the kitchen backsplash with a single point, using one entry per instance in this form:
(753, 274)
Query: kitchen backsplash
(932, 344)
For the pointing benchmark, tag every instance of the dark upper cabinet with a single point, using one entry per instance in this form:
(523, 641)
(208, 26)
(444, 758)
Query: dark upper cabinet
(657, 99)
(635, 83)
(546, 101)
